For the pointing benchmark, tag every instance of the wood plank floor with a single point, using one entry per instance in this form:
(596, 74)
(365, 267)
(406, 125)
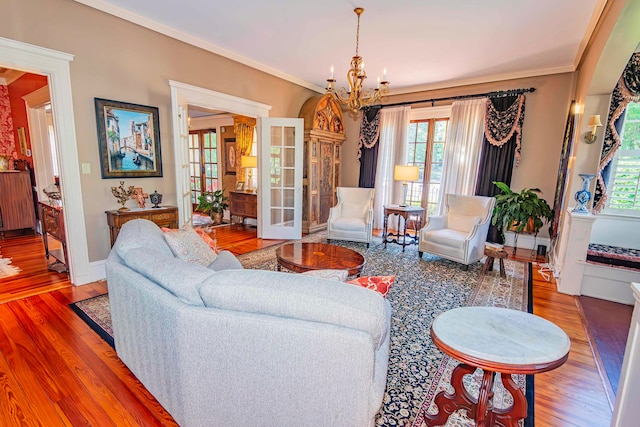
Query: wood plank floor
(55, 371)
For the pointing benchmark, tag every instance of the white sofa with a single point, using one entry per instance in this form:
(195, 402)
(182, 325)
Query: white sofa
(460, 234)
(241, 347)
(351, 218)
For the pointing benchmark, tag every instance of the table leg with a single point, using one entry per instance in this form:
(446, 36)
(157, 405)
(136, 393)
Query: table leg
(384, 229)
(503, 273)
(480, 409)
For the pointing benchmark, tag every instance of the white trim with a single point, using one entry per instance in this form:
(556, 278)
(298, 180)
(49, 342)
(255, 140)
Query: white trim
(55, 65)
(195, 41)
(186, 94)
(98, 270)
(591, 27)
(608, 283)
(526, 240)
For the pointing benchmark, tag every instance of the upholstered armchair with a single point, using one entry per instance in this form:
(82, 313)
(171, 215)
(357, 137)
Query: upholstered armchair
(352, 218)
(459, 234)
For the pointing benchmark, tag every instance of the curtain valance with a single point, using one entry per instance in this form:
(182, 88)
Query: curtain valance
(369, 128)
(626, 91)
(500, 126)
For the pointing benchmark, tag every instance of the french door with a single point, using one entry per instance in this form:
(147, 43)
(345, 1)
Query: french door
(280, 167)
(203, 162)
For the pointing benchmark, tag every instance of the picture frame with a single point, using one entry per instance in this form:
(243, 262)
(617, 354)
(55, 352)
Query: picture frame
(230, 156)
(129, 139)
(240, 186)
(22, 140)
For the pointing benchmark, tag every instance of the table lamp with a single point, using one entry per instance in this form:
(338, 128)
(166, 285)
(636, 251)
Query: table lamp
(249, 162)
(405, 174)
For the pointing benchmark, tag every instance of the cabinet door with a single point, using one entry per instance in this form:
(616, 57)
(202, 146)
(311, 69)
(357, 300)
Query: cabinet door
(326, 180)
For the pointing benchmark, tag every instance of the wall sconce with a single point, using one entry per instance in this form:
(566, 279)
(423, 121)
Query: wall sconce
(405, 174)
(594, 124)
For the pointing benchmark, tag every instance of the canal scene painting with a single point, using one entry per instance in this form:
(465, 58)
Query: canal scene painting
(129, 137)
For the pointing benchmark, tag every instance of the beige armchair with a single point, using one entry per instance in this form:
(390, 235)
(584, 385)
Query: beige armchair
(352, 218)
(461, 233)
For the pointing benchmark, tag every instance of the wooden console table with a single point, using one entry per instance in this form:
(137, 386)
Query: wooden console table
(406, 212)
(501, 342)
(244, 205)
(164, 216)
(52, 218)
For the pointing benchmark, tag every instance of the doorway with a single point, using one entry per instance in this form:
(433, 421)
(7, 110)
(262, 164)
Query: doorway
(55, 65)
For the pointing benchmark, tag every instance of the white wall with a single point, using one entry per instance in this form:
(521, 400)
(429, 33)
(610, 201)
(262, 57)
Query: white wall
(616, 230)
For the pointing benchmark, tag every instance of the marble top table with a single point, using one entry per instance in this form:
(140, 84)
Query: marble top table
(499, 341)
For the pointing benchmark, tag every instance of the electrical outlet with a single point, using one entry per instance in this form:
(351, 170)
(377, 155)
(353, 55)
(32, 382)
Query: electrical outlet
(86, 168)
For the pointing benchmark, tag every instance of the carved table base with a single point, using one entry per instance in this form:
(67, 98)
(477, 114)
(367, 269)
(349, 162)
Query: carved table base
(480, 409)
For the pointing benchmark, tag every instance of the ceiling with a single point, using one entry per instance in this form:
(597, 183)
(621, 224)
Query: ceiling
(424, 44)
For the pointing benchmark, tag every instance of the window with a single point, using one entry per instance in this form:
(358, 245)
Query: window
(425, 141)
(624, 181)
(203, 162)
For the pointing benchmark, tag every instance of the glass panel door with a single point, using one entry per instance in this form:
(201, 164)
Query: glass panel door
(280, 191)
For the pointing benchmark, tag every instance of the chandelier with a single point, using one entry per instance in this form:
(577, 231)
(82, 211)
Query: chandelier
(356, 97)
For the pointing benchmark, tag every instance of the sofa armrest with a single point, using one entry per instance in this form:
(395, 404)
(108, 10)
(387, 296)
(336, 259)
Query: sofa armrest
(434, 223)
(335, 212)
(300, 297)
(225, 261)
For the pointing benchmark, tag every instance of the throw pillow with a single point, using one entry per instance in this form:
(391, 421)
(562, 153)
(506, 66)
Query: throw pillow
(208, 240)
(188, 246)
(337, 275)
(380, 284)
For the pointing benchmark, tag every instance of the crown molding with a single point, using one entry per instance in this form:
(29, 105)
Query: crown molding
(484, 79)
(195, 41)
(588, 34)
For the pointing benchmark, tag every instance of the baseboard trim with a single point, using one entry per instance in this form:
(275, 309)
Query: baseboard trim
(97, 270)
(526, 241)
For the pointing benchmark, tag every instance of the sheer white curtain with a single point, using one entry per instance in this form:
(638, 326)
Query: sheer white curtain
(392, 151)
(462, 149)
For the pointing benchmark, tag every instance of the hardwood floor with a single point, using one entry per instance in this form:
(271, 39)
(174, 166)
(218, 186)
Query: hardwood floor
(55, 371)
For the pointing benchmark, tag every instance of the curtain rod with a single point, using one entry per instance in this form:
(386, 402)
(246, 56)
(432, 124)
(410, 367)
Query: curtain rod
(495, 94)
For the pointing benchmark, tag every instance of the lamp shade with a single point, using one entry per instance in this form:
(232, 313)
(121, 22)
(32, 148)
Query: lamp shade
(595, 120)
(248, 162)
(406, 173)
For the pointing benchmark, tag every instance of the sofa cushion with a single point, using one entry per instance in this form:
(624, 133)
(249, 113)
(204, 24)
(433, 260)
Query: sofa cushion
(464, 223)
(445, 237)
(354, 210)
(225, 261)
(140, 233)
(180, 278)
(380, 284)
(298, 296)
(349, 224)
(187, 245)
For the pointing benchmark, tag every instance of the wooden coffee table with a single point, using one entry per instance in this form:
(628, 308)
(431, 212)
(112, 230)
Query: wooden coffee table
(301, 257)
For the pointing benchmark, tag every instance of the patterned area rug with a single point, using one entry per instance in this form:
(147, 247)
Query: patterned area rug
(423, 289)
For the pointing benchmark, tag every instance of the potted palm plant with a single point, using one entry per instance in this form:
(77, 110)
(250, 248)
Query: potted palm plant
(520, 212)
(213, 204)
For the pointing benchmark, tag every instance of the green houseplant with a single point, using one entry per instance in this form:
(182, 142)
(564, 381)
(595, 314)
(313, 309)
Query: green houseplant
(518, 212)
(213, 204)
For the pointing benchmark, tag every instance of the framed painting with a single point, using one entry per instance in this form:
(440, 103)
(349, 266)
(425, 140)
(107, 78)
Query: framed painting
(129, 139)
(230, 156)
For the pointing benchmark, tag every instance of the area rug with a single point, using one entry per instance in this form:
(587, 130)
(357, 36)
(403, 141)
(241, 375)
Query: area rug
(6, 269)
(423, 289)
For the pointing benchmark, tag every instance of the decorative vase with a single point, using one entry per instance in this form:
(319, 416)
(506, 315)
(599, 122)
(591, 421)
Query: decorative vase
(216, 217)
(583, 195)
(156, 198)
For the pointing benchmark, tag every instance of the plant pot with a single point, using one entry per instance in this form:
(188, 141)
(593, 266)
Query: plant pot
(216, 217)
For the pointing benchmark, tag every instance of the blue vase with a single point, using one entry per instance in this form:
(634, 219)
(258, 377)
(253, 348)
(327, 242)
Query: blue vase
(583, 195)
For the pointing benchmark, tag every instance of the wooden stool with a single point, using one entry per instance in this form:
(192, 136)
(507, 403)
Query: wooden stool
(491, 254)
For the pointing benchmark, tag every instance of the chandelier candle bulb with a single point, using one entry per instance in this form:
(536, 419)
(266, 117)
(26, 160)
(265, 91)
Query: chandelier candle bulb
(331, 75)
(384, 74)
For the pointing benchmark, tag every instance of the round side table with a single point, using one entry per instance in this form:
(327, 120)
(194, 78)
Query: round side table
(501, 342)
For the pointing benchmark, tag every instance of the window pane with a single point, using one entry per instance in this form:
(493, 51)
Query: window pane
(437, 155)
(423, 130)
(421, 153)
(411, 134)
(440, 130)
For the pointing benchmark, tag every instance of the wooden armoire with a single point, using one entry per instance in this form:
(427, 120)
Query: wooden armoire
(323, 138)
